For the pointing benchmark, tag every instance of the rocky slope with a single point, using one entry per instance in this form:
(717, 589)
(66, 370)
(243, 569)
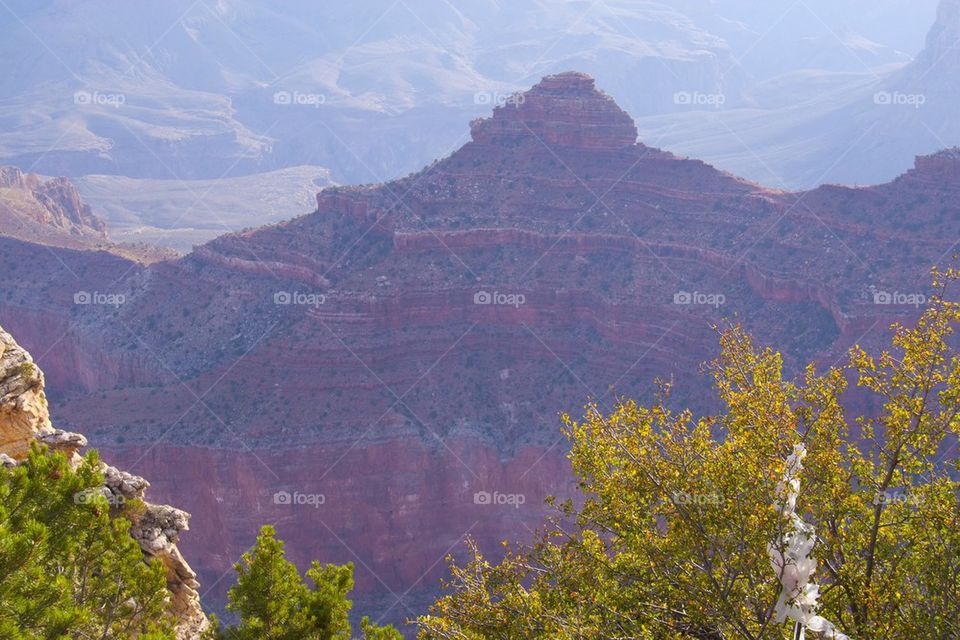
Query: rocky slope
(382, 376)
(31, 207)
(24, 419)
(51, 212)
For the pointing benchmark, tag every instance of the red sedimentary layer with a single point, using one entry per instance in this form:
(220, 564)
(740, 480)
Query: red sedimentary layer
(563, 110)
(376, 510)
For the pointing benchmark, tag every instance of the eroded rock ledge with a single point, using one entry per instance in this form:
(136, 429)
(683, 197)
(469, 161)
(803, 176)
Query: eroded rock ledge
(24, 419)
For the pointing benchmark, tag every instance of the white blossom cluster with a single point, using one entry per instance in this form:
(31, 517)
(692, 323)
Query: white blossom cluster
(790, 557)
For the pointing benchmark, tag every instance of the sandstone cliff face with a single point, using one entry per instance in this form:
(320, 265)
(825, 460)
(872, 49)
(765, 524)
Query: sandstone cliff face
(51, 206)
(407, 346)
(24, 419)
(50, 211)
(23, 405)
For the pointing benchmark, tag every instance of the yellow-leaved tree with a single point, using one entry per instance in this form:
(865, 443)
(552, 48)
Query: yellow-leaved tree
(780, 516)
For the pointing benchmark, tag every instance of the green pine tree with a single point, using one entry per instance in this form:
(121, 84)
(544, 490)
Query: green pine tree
(273, 602)
(67, 568)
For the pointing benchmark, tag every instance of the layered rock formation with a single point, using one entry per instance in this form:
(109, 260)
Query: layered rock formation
(403, 351)
(50, 211)
(556, 112)
(24, 420)
(52, 204)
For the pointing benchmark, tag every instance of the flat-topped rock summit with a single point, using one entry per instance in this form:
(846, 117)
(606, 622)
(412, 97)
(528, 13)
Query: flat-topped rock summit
(941, 168)
(565, 109)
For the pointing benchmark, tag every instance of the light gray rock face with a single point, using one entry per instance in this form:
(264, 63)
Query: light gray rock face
(60, 440)
(23, 405)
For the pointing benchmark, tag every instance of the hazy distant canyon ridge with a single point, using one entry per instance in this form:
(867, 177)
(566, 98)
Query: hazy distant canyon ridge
(200, 90)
